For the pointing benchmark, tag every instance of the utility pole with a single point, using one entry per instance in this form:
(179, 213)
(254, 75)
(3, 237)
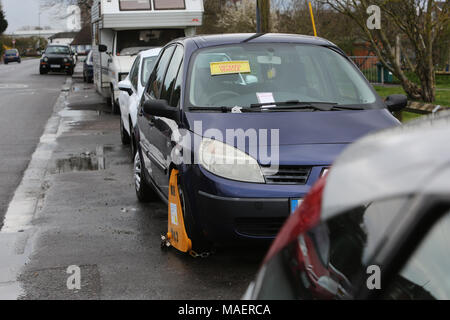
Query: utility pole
(262, 16)
(39, 26)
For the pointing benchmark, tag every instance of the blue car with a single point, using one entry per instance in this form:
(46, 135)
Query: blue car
(11, 55)
(248, 122)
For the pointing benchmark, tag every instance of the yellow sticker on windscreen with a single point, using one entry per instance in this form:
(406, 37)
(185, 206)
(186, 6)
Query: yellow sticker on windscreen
(229, 67)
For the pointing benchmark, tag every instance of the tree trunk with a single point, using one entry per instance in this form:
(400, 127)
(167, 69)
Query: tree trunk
(427, 81)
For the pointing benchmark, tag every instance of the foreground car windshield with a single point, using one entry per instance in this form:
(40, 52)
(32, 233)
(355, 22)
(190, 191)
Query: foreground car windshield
(57, 50)
(245, 74)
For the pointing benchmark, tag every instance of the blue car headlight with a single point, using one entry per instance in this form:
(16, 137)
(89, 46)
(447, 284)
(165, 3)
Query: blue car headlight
(228, 162)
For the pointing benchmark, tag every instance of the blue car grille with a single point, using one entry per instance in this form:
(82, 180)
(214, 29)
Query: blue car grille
(287, 175)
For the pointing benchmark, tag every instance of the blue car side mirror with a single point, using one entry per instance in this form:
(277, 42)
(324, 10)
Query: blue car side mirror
(396, 102)
(160, 108)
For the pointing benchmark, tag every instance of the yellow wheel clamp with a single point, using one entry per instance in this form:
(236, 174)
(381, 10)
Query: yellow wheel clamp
(177, 236)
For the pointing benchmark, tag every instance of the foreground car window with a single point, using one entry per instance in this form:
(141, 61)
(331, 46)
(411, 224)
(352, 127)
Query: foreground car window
(327, 261)
(426, 274)
(281, 72)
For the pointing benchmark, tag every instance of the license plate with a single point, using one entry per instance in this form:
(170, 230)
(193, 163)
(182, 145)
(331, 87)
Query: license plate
(295, 203)
(55, 66)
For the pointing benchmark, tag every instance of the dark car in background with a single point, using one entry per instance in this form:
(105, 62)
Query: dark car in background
(305, 89)
(57, 58)
(88, 68)
(11, 55)
(376, 227)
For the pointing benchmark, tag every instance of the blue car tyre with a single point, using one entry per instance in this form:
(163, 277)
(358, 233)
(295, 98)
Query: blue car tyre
(144, 191)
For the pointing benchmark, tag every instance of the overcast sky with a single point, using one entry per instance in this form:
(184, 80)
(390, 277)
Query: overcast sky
(20, 13)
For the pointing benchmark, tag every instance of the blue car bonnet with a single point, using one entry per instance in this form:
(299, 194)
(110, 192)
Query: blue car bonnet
(297, 128)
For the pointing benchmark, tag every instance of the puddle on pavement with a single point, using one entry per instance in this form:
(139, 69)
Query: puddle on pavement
(79, 115)
(73, 118)
(86, 161)
(80, 88)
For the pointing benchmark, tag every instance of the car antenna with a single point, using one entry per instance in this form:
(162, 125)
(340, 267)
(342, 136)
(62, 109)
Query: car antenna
(256, 35)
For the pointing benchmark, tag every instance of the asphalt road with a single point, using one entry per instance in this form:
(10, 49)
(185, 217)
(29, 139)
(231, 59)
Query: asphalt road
(26, 102)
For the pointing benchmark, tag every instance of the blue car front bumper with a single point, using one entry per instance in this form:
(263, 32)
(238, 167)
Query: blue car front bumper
(229, 211)
(11, 59)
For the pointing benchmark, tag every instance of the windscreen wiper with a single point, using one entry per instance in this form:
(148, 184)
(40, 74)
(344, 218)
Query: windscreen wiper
(292, 105)
(277, 106)
(345, 108)
(223, 109)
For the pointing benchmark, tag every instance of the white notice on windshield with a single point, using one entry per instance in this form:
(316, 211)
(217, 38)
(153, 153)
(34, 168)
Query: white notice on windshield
(265, 97)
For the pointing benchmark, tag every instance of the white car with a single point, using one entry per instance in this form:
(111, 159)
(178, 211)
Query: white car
(131, 90)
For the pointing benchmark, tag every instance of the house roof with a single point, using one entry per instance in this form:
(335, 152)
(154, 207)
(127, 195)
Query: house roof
(84, 37)
(63, 35)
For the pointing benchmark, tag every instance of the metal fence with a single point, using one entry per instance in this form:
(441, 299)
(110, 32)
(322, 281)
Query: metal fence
(368, 66)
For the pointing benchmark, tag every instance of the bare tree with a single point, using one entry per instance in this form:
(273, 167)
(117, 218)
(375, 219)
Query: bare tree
(238, 17)
(292, 16)
(420, 22)
(59, 5)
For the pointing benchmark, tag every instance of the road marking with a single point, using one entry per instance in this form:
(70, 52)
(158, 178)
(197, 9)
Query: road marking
(13, 86)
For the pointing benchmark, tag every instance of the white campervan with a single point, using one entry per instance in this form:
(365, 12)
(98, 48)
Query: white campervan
(123, 28)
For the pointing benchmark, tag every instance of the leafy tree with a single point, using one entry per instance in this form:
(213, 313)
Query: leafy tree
(26, 46)
(3, 22)
(3, 27)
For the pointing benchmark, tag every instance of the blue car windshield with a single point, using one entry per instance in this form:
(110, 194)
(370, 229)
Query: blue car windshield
(245, 74)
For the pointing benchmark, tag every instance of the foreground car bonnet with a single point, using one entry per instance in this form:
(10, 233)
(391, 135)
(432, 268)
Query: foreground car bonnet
(391, 163)
(298, 128)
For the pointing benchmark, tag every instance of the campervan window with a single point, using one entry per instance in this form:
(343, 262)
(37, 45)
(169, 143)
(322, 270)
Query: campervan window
(169, 4)
(130, 42)
(134, 5)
